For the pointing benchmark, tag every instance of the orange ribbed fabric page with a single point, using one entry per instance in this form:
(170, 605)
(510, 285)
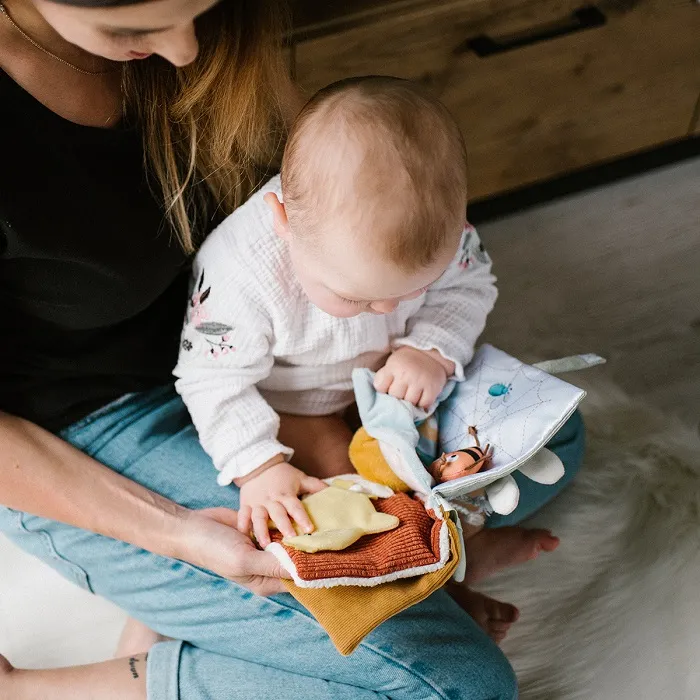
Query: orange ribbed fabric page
(349, 613)
(415, 542)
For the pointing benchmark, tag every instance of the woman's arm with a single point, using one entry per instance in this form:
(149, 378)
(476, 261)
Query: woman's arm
(43, 475)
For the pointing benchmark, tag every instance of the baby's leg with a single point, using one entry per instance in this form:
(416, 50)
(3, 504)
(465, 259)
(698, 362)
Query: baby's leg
(493, 616)
(488, 551)
(320, 443)
(136, 638)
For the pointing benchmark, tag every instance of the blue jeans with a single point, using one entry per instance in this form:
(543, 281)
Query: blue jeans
(239, 646)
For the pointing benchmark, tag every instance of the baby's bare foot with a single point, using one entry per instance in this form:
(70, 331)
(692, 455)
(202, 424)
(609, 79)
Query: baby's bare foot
(5, 667)
(7, 686)
(136, 638)
(490, 551)
(494, 617)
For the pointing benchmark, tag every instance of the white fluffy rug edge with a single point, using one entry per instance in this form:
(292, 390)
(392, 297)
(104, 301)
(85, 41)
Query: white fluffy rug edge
(615, 611)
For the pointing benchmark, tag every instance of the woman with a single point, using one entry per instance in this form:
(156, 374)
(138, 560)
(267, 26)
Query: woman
(113, 168)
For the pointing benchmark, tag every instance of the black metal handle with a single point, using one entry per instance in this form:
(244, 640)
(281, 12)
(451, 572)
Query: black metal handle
(587, 17)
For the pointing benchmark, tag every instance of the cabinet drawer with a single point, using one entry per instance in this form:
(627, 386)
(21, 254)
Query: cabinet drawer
(539, 108)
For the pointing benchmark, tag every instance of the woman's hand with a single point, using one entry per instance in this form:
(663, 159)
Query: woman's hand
(43, 475)
(210, 540)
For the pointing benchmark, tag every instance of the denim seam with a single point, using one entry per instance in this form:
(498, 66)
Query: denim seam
(95, 415)
(97, 443)
(162, 679)
(79, 574)
(81, 424)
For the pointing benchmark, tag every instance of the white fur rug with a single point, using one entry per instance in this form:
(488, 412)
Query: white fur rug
(614, 613)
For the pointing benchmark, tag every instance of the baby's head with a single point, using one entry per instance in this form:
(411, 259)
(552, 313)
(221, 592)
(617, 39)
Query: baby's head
(374, 189)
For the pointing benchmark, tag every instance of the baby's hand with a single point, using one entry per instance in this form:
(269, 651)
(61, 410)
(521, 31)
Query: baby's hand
(414, 375)
(272, 494)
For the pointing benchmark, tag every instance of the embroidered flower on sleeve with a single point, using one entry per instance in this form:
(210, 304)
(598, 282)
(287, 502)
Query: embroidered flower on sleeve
(197, 313)
(464, 251)
(217, 336)
(472, 249)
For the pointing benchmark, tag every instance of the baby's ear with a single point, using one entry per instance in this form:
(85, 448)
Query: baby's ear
(279, 215)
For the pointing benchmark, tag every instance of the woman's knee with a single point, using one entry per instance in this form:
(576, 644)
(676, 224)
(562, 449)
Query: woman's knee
(462, 666)
(499, 682)
(493, 678)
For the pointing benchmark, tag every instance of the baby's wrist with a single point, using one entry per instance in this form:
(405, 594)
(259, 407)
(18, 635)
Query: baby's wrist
(277, 459)
(433, 354)
(446, 364)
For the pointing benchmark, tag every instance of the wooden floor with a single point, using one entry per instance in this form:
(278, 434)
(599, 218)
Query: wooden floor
(614, 271)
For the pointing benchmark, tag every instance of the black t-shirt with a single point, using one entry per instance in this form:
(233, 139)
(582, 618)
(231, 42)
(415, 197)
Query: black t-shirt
(93, 284)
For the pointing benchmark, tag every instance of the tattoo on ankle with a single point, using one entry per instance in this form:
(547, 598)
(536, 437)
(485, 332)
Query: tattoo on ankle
(132, 667)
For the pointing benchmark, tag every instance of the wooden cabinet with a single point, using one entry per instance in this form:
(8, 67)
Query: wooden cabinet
(539, 87)
(695, 120)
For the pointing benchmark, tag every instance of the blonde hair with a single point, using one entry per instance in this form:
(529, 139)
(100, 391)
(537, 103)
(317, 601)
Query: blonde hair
(213, 129)
(409, 142)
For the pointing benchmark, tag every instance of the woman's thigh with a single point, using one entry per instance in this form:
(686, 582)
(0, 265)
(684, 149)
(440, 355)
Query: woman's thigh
(432, 650)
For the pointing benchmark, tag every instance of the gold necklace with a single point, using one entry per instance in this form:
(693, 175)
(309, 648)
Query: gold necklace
(3, 11)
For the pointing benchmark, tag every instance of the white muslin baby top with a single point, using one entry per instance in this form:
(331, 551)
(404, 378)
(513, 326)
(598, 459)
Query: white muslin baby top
(254, 345)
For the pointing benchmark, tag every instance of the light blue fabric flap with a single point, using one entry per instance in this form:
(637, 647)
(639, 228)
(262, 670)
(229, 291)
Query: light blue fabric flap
(393, 423)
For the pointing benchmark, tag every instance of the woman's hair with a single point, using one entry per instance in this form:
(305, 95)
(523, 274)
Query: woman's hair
(213, 129)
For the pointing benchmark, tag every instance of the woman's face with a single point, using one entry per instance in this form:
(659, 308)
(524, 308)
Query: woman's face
(130, 32)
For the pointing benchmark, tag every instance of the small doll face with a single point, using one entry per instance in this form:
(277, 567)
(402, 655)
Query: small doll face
(453, 465)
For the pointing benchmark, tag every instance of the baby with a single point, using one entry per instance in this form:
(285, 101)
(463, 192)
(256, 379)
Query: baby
(356, 256)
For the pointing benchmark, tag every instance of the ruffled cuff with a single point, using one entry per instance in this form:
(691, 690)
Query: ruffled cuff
(446, 349)
(250, 458)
